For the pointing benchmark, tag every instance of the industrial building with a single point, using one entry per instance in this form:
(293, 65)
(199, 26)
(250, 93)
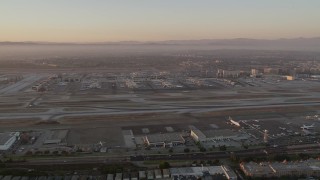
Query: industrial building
(71, 77)
(164, 140)
(118, 176)
(196, 172)
(134, 176)
(7, 139)
(57, 137)
(228, 73)
(309, 167)
(166, 173)
(289, 78)
(158, 174)
(215, 135)
(142, 175)
(254, 72)
(110, 177)
(150, 174)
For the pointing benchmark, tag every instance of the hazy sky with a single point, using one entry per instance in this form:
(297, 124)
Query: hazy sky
(144, 20)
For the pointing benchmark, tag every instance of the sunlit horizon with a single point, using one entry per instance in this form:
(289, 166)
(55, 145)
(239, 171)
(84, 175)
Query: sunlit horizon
(113, 21)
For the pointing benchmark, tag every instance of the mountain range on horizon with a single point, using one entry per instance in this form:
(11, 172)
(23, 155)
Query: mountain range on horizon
(224, 42)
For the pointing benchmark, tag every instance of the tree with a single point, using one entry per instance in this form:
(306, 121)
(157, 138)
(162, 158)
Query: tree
(281, 157)
(29, 153)
(247, 159)
(223, 148)
(186, 150)
(202, 149)
(245, 146)
(170, 150)
(164, 165)
(234, 157)
(55, 152)
(303, 156)
(38, 152)
(216, 162)
(64, 153)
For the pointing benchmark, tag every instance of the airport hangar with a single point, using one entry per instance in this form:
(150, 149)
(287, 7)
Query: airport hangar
(216, 135)
(164, 140)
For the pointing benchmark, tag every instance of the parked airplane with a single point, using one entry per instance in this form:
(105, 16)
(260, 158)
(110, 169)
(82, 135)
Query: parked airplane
(308, 127)
(256, 125)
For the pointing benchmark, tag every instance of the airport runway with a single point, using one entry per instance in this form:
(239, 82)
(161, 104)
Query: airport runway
(20, 85)
(56, 113)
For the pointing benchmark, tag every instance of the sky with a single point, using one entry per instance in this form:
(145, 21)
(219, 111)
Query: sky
(156, 20)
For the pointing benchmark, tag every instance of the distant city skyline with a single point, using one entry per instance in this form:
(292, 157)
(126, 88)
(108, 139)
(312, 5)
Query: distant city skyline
(156, 20)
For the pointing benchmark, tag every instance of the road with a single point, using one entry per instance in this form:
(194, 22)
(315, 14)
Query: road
(109, 159)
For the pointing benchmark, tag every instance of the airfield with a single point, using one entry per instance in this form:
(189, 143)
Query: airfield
(104, 114)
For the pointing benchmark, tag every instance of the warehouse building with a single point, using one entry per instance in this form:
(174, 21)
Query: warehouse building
(57, 137)
(7, 139)
(164, 140)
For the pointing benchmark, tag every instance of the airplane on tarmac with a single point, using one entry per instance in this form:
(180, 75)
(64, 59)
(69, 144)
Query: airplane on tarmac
(308, 127)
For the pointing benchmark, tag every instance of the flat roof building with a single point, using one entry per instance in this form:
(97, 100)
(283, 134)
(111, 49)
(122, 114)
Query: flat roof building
(118, 176)
(18, 178)
(197, 172)
(134, 176)
(57, 137)
(142, 175)
(166, 173)
(7, 178)
(164, 140)
(158, 173)
(229, 173)
(309, 167)
(215, 135)
(126, 176)
(150, 174)
(7, 139)
(110, 177)
(75, 177)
